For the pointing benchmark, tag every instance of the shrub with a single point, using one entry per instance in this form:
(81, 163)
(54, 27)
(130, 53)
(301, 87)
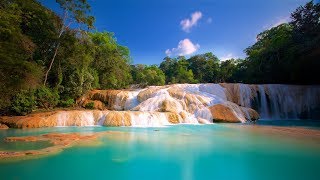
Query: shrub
(46, 98)
(66, 103)
(23, 102)
(89, 105)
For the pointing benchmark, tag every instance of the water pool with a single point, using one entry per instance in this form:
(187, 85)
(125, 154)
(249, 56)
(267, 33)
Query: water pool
(217, 151)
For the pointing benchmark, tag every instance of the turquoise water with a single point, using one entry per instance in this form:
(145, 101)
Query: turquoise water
(312, 124)
(218, 151)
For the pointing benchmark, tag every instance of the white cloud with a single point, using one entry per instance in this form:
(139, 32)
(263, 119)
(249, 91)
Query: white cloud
(187, 24)
(185, 47)
(209, 20)
(227, 57)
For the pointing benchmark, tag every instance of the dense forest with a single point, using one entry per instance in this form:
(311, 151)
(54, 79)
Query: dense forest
(49, 60)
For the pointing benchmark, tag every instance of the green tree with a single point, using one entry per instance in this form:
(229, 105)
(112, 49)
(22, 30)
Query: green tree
(272, 55)
(169, 66)
(305, 20)
(288, 53)
(211, 71)
(183, 74)
(227, 69)
(204, 67)
(111, 61)
(18, 70)
(74, 12)
(79, 75)
(23, 102)
(148, 75)
(306, 37)
(46, 98)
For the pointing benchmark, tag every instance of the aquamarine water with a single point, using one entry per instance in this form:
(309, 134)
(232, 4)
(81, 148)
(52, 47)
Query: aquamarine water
(218, 151)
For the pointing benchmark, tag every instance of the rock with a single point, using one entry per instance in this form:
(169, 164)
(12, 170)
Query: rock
(117, 118)
(147, 93)
(129, 118)
(231, 112)
(110, 99)
(222, 113)
(183, 114)
(233, 92)
(55, 118)
(58, 143)
(3, 126)
(22, 139)
(173, 118)
(170, 106)
(253, 114)
(96, 104)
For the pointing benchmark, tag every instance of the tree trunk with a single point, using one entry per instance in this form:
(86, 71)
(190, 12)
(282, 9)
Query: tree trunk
(51, 63)
(56, 50)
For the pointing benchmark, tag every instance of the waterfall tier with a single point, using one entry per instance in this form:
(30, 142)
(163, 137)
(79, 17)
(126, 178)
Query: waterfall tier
(276, 101)
(181, 103)
(271, 101)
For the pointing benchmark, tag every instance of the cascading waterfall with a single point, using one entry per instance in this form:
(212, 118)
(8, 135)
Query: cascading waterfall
(277, 101)
(132, 100)
(245, 94)
(289, 102)
(192, 103)
(75, 118)
(263, 106)
(146, 119)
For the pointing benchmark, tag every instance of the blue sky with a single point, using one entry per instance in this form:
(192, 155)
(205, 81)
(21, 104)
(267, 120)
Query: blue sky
(153, 29)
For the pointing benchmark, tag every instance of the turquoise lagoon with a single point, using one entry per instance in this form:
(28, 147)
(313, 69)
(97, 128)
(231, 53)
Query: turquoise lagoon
(217, 151)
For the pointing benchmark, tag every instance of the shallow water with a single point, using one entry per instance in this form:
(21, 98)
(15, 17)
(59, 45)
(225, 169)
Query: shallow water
(312, 124)
(217, 151)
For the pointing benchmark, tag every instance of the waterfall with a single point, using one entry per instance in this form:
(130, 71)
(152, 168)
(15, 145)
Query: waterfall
(132, 100)
(263, 106)
(289, 101)
(200, 103)
(245, 94)
(146, 119)
(75, 118)
(277, 101)
(78, 118)
(185, 103)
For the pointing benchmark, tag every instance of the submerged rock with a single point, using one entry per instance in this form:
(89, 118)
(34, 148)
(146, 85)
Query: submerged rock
(58, 141)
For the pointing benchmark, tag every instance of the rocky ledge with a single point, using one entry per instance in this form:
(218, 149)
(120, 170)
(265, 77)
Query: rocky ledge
(3, 126)
(220, 113)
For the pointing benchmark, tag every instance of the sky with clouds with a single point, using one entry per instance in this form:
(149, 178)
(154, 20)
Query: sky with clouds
(153, 29)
